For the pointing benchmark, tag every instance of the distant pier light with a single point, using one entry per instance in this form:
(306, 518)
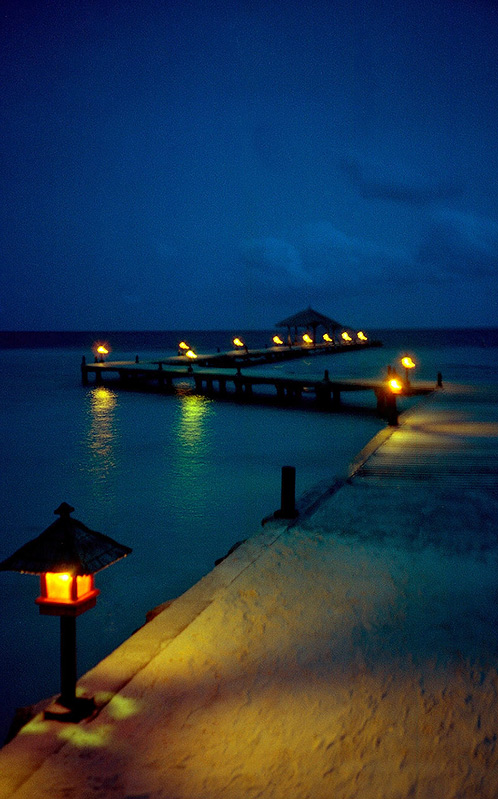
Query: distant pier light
(328, 338)
(191, 354)
(307, 339)
(277, 340)
(346, 337)
(238, 342)
(100, 351)
(183, 346)
(408, 364)
(361, 335)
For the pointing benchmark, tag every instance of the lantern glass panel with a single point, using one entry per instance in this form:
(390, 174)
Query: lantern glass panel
(60, 587)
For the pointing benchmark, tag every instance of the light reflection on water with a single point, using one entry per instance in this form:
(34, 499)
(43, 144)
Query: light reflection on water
(191, 447)
(101, 437)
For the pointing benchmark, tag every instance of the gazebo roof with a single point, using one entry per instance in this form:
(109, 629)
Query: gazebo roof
(67, 545)
(309, 318)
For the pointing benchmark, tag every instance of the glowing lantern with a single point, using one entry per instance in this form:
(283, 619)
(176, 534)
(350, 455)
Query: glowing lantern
(191, 354)
(307, 339)
(327, 338)
(100, 351)
(407, 362)
(277, 340)
(395, 385)
(346, 337)
(361, 335)
(66, 556)
(238, 342)
(183, 345)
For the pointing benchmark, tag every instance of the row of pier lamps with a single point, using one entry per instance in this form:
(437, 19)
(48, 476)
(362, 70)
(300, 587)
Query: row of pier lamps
(101, 351)
(238, 343)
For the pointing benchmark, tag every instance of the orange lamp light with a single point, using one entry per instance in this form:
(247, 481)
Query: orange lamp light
(395, 385)
(277, 340)
(64, 594)
(345, 336)
(238, 342)
(327, 338)
(307, 338)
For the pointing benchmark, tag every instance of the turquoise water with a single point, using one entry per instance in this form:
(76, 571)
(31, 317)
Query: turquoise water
(177, 478)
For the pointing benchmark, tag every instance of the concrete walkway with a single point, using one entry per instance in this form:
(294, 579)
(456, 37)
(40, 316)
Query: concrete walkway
(350, 654)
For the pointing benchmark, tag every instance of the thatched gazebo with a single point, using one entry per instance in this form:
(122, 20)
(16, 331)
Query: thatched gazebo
(309, 320)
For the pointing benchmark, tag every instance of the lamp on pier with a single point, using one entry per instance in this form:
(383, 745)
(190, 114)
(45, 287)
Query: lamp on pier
(307, 339)
(361, 336)
(409, 364)
(277, 340)
(395, 385)
(191, 354)
(183, 347)
(346, 337)
(100, 351)
(238, 342)
(66, 556)
(327, 338)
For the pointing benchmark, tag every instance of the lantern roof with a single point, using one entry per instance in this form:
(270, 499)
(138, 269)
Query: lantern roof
(67, 545)
(309, 318)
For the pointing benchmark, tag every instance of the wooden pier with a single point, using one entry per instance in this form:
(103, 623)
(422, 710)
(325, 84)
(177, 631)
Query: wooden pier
(251, 385)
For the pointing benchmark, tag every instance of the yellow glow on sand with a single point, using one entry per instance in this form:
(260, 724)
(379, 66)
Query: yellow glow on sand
(85, 737)
(122, 707)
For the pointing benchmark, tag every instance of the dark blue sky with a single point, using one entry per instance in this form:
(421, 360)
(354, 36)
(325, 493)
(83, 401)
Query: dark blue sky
(208, 165)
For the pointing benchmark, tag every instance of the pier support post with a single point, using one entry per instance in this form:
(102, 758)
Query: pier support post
(390, 409)
(287, 494)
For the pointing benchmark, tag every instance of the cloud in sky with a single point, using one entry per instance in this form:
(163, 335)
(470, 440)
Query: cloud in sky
(394, 181)
(318, 259)
(462, 243)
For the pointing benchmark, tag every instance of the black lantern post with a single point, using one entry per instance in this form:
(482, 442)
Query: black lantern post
(66, 556)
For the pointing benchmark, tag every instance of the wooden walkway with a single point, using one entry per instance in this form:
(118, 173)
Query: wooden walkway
(250, 385)
(451, 447)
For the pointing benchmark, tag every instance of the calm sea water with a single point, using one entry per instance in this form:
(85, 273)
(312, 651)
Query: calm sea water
(177, 478)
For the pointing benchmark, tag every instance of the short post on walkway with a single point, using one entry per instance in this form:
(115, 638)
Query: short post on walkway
(287, 494)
